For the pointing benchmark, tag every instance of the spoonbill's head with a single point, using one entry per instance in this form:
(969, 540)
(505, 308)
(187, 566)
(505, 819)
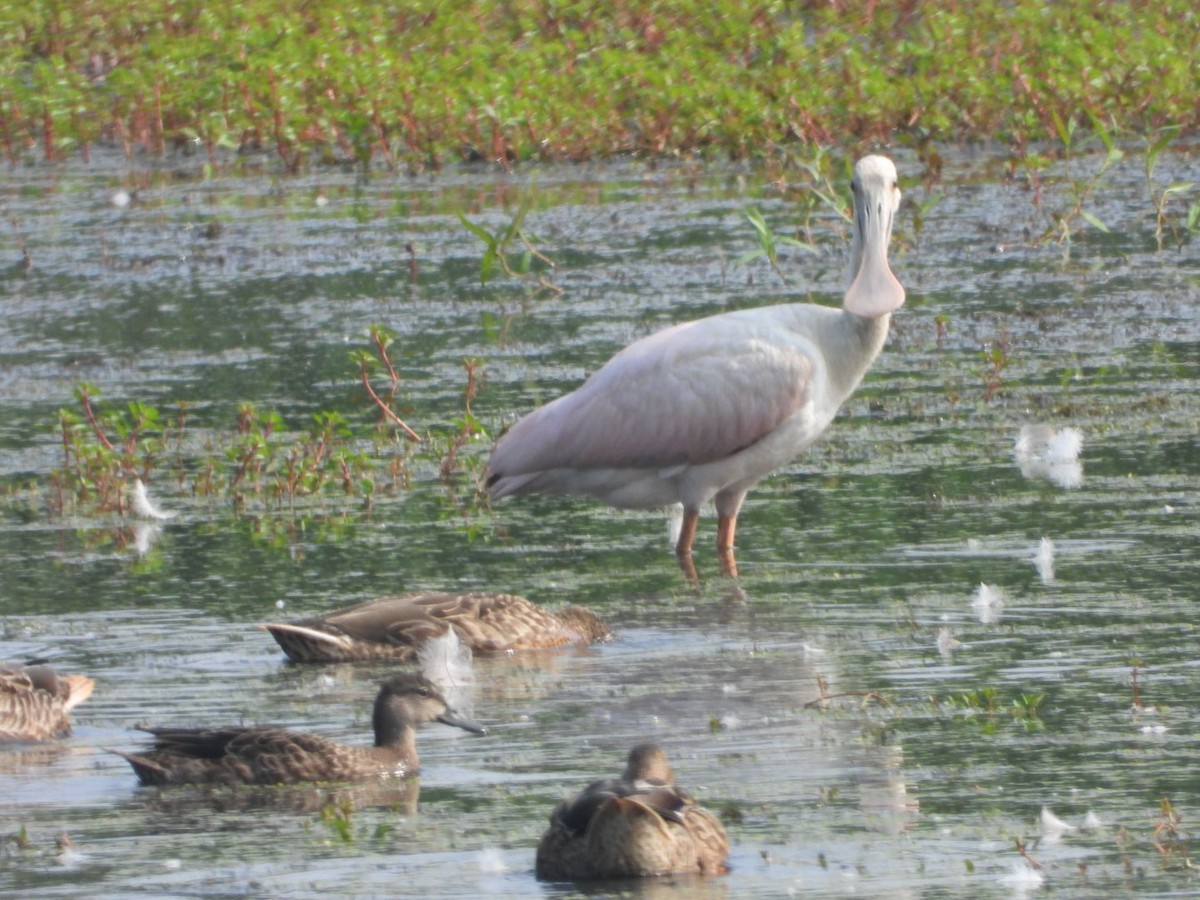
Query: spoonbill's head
(874, 290)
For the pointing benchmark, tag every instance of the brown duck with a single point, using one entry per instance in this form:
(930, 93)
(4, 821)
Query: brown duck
(271, 755)
(396, 627)
(635, 825)
(35, 700)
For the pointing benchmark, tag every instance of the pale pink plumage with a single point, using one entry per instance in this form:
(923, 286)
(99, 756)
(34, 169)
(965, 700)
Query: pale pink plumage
(702, 411)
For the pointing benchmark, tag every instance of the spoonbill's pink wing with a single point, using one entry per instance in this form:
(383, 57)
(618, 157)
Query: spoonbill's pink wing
(691, 394)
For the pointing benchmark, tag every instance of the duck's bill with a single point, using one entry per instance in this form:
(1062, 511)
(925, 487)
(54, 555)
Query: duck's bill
(450, 717)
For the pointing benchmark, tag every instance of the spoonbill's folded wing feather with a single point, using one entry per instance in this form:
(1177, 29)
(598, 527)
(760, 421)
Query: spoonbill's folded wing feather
(692, 394)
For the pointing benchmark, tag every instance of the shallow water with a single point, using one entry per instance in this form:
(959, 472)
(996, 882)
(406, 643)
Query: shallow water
(820, 704)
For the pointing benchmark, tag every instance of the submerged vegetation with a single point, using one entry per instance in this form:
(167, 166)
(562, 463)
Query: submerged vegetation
(433, 82)
(259, 463)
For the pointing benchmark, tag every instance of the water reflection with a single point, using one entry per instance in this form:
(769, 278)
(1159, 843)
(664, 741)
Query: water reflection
(25, 759)
(947, 643)
(887, 804)
(336, 804)
(857, 584)
(1043, 560)
(143, 537)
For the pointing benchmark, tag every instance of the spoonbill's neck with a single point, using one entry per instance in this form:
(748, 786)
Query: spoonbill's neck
(858, 342)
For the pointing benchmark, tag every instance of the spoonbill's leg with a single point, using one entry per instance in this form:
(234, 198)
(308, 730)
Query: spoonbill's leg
(683, 547)
(690, 575)
(687, 532)
(726, 526)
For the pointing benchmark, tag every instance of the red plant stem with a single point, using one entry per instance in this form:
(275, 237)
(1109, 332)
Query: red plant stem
(91, 417)
(47, 133)
(412, 435)
(377, 339)
(1025, 854)
(470, 366)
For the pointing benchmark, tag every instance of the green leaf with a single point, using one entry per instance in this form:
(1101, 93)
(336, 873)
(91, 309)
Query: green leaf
(1094, 222)
(1065, 129)
(514, 227)
(476, 230)
(765, 239)
(485, 266)
(1168, 135)
(1101, 132)
(796, 242)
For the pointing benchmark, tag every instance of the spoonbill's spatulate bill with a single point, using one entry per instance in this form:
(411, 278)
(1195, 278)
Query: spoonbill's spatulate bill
(702, 411)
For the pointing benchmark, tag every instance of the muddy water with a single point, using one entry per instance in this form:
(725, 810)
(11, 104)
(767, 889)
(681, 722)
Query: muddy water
(865, 717)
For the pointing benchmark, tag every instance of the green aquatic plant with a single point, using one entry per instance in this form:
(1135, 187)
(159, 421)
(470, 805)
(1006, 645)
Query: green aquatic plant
(919, 210)
(338, 817)
(941, 328)
(1064, 220)
(995, 358)
(1135, 667)
(1169, 840)
(1023, 852)
(103, 448)
(356, 82)
(977, 700)
(986, 705)
(1026, 706)
(865, 697)
(768, 243)
(1161, 197)
(263, 462)
(377, 358)
(468, 429)
(498, 244)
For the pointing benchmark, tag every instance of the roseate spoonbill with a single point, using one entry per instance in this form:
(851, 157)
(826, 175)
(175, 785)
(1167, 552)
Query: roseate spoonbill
(703, 410)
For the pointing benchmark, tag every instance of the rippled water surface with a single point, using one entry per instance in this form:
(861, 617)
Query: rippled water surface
(865, 717)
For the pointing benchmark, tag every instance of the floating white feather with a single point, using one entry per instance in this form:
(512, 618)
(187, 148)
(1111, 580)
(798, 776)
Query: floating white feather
(1053, 828)
(947, 643)
(448, 663)
(144, 506)
(1043, 451)
(1022, 877)
(491, 861)
(988, 604)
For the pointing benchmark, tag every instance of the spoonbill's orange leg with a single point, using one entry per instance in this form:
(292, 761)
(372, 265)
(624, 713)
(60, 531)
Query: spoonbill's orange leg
(726, 526)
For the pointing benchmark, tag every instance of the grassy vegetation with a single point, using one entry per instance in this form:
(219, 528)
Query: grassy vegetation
(430, 81)
(260, 465)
